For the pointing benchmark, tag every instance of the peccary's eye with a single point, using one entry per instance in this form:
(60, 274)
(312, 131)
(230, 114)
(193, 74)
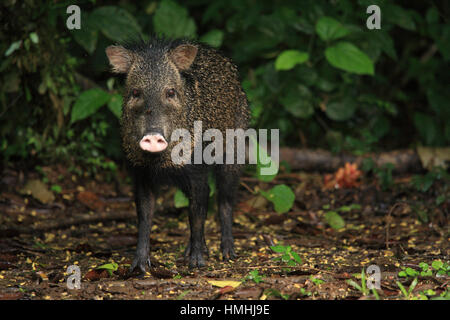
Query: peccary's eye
(135, 93)
(171, 93)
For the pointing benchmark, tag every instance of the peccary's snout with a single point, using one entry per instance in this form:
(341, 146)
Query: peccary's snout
(153, 142)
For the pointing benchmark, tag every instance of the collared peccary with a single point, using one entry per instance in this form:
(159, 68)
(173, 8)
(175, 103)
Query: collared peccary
(170, 84)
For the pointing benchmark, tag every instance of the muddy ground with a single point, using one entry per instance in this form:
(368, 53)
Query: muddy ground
(90, 222)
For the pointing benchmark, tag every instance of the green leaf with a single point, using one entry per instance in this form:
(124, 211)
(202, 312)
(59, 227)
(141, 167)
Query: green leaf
(411, 272)
(296, 257)
(386, 42)
(56, 188)
(88, 103)
(330, 29)
(88, 34)
(285, 257)
(412, 286)
(341, 110)
(281, 196)
(437, 264)
(116, 23)
(298, 102)
(180, 200)
(346, 56)
(115, 105)
(278, 248)
(173, 21)
(402, 289)
(13, 47)
(34, 37)
(399, 16)
(423, 266)
(214, 38)
(109, 266)
(334, 220)
(288, 59)
(426, 126)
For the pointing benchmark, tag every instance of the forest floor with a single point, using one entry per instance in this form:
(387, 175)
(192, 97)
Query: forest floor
(90, 223)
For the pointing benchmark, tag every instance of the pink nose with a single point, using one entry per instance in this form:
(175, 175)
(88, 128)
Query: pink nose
(153, 143)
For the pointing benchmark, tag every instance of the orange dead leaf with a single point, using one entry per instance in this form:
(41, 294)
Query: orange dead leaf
(345, 177)
(226, 289)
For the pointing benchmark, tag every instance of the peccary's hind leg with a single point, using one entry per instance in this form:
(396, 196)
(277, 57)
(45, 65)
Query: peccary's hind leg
(198, 208)
(227, 180)
(145, 206)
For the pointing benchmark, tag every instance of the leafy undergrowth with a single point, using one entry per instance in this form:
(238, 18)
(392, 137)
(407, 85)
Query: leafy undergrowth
(316, 250)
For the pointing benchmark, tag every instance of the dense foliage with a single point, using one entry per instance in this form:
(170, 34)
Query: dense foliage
(311, 68)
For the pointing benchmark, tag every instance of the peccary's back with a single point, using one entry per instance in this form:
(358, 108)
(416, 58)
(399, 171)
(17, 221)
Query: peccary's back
(220, 101)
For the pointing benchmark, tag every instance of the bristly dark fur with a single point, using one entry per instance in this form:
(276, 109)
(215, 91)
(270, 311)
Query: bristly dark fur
(210, 92)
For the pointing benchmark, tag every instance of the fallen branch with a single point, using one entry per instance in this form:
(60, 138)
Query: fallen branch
(49, 225)
(404, 161)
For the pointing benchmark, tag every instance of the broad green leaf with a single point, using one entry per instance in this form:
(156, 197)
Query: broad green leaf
(214, 38)
(278, 248)
(340, 110)
(334, 220)
(426, 126)
(411, 272)
(88, 103)
(173, 20)
(116, 23)
(180, 200)
(399, 16)
(432, 15)
(109, 266)
(288, 59)
(297, 101)
(115, 105)
(88, 34)
(346, 56)
(437, 264)
(281, 196)
(386, 42)
(296, 257)
(330, 29)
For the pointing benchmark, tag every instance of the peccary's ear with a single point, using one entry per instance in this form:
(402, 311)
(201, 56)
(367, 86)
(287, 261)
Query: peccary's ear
(119, 58)
(183, 56)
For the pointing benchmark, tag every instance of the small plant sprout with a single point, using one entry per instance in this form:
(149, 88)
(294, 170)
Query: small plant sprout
(316, 281)
(288, 256)
(407, 293)
(363, 287)
(110, 267)
(255, 276)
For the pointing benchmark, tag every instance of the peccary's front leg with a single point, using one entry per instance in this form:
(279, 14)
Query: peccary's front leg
(199, 193)
(145, 206)
(227, 180)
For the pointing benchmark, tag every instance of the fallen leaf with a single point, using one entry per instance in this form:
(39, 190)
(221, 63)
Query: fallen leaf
(345, 177)
(95, 275)
(224, 283)
(249, 293)
(91, 200)
(434, 157)
(10, 295)
(38, 190)
(226, 289)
